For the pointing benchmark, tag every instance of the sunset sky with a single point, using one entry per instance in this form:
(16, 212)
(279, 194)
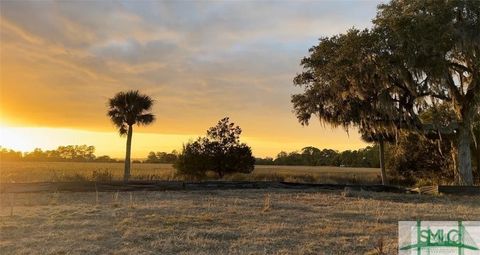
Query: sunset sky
(200, 61)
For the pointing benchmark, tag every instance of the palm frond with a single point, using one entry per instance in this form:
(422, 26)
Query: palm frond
(130, 107)
(145, 102)
(118, 101)
(123, 130)
(145, 119)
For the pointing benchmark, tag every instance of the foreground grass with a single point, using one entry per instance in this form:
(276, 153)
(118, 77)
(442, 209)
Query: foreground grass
(77, 171)
(217, 222)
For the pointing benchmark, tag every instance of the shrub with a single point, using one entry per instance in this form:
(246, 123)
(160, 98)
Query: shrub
(75, 178)
(414, 158)
(220, 151)
(102, 176)
(193, 161)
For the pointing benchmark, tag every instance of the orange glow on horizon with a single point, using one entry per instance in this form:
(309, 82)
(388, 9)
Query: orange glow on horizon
(106, 143)
(58, 69)
(110, 143)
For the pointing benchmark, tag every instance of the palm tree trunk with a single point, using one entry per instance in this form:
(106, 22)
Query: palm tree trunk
(382, 161)
(128, 163)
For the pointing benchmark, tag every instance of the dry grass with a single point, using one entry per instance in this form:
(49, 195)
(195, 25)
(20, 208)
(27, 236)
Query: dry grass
(217, 222)
(65, 171)
(74, 171)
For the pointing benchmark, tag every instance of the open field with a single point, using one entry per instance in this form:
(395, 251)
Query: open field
(217, 222)
(75, 171)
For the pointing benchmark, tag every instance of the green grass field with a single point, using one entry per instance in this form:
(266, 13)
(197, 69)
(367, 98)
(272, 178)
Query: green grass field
(76, 171)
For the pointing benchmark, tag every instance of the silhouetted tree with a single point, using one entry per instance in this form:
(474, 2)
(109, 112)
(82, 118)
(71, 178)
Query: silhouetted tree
(311, 155)
(105, 158)
(9, 155)
(264, 161)
(340, 87)
(74, 153)
(162, 157)
(126, 109)
(220, 151)
(152, 157)
(195, 160)
(281, 159)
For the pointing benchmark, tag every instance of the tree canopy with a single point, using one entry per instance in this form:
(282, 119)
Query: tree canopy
(128, 108)
(417, 56)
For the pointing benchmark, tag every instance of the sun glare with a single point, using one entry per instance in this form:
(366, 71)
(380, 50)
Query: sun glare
(19, 139)
(107, 143)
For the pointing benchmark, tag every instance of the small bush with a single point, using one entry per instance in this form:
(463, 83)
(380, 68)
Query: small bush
(75, 178)
(415, 158)
(220, 152)
(102, 176)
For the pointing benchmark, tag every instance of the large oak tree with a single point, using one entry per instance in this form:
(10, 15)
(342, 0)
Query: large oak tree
(417, 56)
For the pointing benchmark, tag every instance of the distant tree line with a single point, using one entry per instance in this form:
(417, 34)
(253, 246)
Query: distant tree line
(308, 156)
(311, 156)
(70, 153)
(162, 157)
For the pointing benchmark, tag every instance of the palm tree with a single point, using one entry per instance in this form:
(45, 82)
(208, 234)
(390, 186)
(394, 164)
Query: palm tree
(126, 109)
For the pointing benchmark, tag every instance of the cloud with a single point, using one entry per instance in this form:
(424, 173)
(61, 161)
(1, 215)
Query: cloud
(199, 60)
